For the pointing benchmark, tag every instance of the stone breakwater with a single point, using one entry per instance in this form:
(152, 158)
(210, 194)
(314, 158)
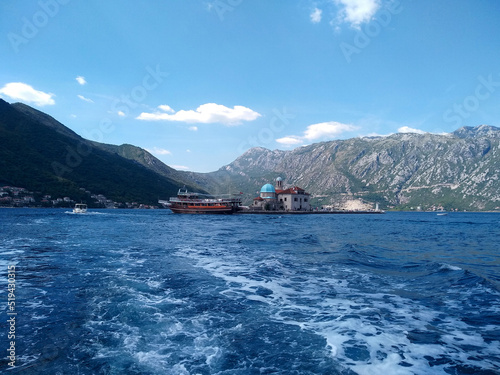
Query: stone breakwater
(308, 212)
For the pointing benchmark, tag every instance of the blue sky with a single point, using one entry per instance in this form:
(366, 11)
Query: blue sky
(197, 83)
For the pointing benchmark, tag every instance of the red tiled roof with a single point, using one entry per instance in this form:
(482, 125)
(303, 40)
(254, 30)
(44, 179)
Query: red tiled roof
(292, 190)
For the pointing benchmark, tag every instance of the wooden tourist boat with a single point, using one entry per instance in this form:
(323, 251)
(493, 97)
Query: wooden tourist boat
(193, 203)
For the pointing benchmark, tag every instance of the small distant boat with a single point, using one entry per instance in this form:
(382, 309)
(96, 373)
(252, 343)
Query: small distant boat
(442, 214)
(191, 203)
(80, 208)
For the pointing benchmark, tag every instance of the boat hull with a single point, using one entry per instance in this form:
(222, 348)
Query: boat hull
(225, 210)
(191, 203)
(80, 208)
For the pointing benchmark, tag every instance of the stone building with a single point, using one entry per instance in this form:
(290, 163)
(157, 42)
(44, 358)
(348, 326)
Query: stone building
(273, 198)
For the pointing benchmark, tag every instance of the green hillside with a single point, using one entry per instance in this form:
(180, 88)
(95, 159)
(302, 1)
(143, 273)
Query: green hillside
(42, 155)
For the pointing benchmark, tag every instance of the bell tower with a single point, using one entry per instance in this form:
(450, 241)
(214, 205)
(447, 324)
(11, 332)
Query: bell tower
(279, 183)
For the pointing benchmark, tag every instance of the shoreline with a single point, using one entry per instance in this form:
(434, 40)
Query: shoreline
(243, 212)
(249, 212)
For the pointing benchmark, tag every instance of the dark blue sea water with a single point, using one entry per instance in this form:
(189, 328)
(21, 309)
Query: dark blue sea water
(149, 292)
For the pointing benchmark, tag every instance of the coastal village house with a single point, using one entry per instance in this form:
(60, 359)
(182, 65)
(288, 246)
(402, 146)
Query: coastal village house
(274, 198)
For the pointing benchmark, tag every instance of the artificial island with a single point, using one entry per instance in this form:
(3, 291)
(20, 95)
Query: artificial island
(272, 199)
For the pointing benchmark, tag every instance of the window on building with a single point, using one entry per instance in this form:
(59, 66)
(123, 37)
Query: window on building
(305, 199)
(295, 199)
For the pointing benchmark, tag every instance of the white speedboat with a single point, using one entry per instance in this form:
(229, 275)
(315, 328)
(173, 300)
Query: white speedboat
(80, 208)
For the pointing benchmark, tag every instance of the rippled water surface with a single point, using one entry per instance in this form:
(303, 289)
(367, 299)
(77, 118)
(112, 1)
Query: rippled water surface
(149, 292)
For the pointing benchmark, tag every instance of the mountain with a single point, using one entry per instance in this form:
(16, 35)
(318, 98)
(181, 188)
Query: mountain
(456, 171)
(41, 154)
(152, 163)
(459, 170)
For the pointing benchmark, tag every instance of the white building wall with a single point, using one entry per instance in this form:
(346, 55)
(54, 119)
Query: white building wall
(295, 202)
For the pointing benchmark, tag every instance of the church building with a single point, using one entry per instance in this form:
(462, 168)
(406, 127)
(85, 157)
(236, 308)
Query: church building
(273, 198)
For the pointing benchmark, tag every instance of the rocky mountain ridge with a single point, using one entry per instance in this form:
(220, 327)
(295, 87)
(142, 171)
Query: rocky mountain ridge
(459, 170)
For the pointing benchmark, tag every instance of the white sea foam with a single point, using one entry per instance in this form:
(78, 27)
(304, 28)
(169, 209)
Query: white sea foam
(38, 317)
(136, 319)
(88, 213)
(154, 284)
(389, 365)
(368, 332)
(449, 267)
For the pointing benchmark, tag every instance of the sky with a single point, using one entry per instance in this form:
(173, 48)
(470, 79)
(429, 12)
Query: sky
(197, 83)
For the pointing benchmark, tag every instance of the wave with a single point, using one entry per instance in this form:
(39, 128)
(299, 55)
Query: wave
(88, 213)
(368, 326)
(449, 267)
(164, 294)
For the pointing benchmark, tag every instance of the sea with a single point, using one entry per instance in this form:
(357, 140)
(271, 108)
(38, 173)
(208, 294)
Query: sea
(151, 292)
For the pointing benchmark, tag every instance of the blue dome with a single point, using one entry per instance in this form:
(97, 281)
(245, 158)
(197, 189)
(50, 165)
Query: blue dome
(279, 179)
(267, 188)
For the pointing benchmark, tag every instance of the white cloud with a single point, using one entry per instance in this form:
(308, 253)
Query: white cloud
(193, 128)
(81, 80)
(166, 108)
(407, 129)
(316, 15)
(327, 130)
(205, 114)
(357, 12)
(181, 167)
(315, 132)
(158, 151)
(26, 93)
(85, 99)
(290, 140)
(120, 113)
(375, 135)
